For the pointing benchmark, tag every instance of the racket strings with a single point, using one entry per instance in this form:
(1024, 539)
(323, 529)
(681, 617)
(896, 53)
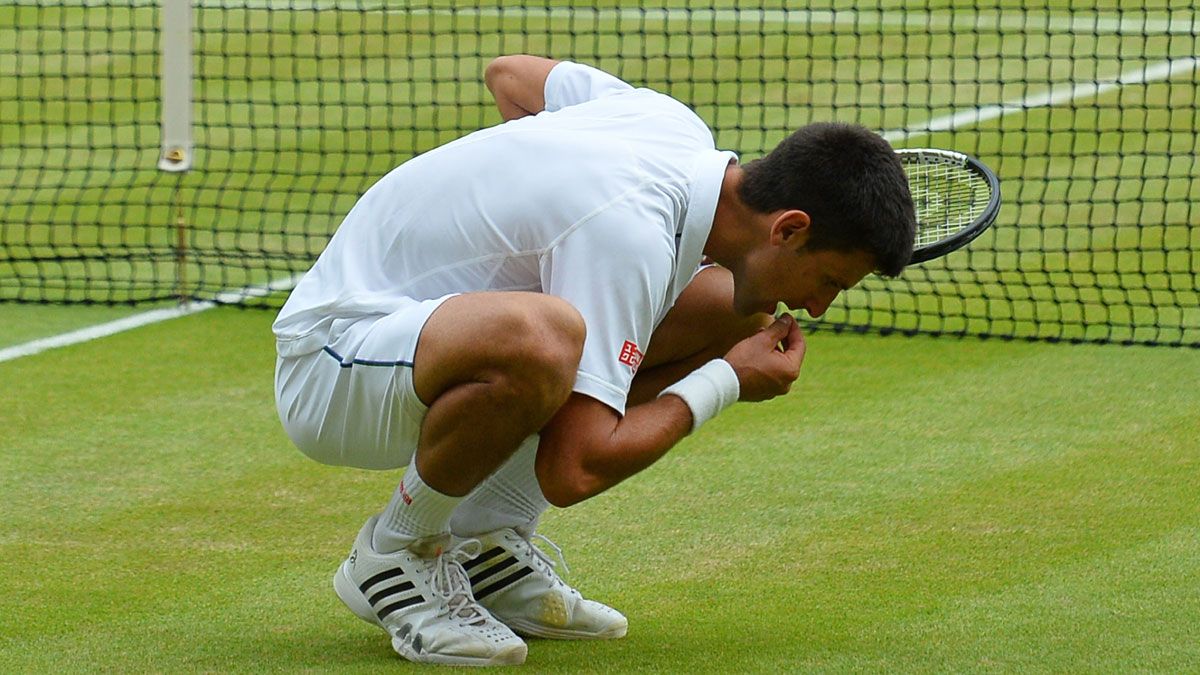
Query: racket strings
(947, 198)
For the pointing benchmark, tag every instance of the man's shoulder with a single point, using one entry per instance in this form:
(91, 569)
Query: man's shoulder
(642, 106)
(669, 111)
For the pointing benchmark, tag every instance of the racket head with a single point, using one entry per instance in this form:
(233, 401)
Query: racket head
(956, 197)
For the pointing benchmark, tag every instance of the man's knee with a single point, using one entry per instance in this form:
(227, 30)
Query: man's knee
(703, 323)
(545, 344)
(743, 327)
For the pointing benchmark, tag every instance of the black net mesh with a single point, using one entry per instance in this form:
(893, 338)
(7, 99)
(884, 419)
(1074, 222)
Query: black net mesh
(1087, 111)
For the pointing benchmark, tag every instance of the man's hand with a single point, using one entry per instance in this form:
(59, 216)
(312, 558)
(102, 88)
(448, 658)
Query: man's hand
(763, 370)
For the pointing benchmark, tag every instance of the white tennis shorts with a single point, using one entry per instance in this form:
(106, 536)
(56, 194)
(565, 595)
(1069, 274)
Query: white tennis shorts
(352, 403)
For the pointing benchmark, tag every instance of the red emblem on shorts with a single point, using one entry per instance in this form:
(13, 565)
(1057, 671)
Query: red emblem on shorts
(630, 355)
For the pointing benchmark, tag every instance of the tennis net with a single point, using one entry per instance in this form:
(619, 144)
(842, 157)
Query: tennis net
(1087, 112)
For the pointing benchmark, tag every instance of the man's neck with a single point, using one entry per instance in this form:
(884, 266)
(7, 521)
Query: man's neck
(728, 239)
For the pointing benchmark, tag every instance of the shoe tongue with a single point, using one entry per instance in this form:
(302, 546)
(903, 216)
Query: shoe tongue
(526, 531)
(430, 547)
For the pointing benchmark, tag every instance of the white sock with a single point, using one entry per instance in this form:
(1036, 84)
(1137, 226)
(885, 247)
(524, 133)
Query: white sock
(416, 511)
(511, 497)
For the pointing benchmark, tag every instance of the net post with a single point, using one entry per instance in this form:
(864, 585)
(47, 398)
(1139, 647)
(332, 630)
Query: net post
(175, 156)
(175, 47)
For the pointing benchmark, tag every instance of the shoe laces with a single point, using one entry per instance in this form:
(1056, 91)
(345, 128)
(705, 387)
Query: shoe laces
(451, 583)
(549, 565)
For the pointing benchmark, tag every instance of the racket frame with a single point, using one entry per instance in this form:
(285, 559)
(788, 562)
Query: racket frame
(985, 219)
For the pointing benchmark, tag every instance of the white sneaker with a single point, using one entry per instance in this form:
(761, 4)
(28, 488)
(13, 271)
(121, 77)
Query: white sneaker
(424, 602)
(517, 582)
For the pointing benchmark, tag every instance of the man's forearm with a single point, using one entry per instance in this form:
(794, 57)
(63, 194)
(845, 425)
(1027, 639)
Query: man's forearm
(587, 448)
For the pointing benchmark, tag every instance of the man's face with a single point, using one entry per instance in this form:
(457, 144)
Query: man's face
(800, 278)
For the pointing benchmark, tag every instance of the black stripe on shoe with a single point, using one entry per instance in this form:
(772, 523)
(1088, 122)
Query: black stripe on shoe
(482, 558)
(392, 590)
(506, 581)
(397, 606)
(382, 576)
(481, 575)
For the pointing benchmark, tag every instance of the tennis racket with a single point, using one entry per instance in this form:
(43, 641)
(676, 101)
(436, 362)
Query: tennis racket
(956, 198)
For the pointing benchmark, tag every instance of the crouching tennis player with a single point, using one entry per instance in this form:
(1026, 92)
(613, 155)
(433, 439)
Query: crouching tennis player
(525, 316)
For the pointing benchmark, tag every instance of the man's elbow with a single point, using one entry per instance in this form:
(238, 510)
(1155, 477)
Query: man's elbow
(500, 70)
(493, 73)
(564, 491)
(567, 482)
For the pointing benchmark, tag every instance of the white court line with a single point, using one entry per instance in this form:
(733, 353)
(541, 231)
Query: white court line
(100, 330)
(143, 319)
(1152, 73)
(1132, 22)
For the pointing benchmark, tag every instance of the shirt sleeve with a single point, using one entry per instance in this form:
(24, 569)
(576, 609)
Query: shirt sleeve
(617, 277)
(571, 83)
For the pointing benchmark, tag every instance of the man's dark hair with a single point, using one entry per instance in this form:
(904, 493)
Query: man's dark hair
(849, 181)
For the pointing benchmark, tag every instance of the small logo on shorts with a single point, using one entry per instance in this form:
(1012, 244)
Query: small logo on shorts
(630, 355)
(404, 494)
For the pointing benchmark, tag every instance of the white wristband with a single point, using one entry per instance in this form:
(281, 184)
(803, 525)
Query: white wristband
(707, 390)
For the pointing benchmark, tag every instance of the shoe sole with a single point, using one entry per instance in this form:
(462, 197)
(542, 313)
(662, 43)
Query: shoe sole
(348, 592)
(528, 629)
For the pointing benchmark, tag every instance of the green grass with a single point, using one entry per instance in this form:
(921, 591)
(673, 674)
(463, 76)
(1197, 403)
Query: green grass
(914, 505)
(299, 111)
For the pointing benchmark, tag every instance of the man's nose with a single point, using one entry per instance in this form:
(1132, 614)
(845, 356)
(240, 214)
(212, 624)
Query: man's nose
(816, 308)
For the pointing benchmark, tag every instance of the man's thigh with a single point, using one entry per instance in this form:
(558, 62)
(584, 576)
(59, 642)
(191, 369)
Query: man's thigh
(353, 403)
(363, 399)
(478, 337)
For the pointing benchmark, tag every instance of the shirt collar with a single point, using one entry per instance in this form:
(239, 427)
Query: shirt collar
(705, 189)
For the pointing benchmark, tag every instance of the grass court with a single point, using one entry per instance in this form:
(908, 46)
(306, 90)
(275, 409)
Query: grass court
(914, 505)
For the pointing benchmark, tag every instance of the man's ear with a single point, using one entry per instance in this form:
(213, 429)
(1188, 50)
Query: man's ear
(791, 228)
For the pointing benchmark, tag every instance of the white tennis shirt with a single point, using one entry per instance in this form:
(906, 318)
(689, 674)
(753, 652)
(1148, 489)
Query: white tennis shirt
(605, 199)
